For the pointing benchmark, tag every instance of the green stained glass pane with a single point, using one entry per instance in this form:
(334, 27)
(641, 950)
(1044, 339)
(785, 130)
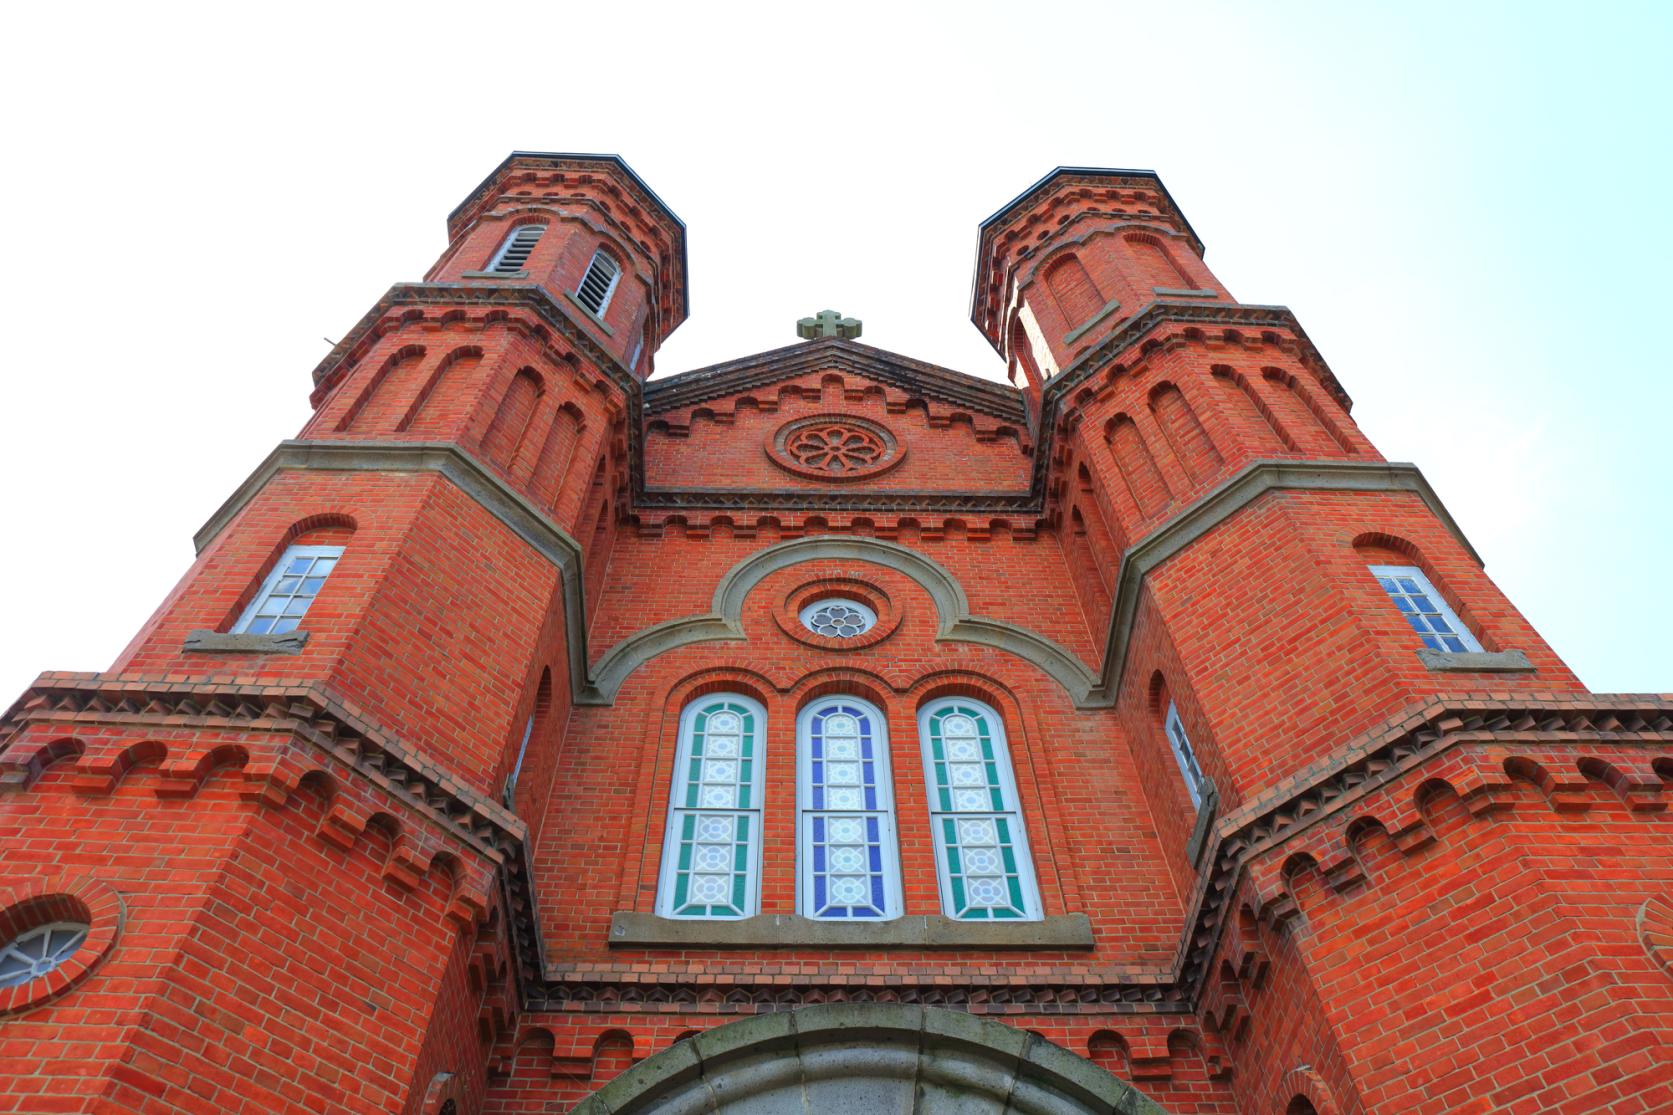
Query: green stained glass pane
(1014, 886)
(999, 913)
(997, 798)
(681, 892)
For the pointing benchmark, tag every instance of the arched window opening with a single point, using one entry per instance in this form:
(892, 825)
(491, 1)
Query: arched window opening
(1022, 356)
(534, 728)
(711, 857)
(513, 254)
(1184, 754)
(599, 283)
(848, 865)
(981, 845)
(1424, 609)
(289, 590)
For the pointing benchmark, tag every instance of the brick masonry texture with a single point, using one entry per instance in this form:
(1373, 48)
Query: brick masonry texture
(311, 885)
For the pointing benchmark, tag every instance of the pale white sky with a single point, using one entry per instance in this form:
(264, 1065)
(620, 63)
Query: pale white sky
(1465, 204)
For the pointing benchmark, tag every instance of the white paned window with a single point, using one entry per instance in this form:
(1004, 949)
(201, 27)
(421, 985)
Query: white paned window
(284, 597)
(514, 253)
(981, 846)
(847, 864)
(38, 951)
(599, 283)
(1184, 755)
(711, 859)
(1424, 609)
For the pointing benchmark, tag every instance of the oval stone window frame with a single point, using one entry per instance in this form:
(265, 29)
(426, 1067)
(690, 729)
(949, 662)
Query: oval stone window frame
(890, 451)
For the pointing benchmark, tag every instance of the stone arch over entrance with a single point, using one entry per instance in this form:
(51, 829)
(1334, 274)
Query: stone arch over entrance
(876, 1059)
(722, 622)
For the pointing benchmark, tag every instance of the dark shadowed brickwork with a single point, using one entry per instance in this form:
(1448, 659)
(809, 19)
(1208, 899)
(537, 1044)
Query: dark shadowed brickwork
(428, 841)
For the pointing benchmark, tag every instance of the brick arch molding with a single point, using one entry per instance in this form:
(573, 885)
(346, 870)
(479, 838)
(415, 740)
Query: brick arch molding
(723, 621)
(906, 1058)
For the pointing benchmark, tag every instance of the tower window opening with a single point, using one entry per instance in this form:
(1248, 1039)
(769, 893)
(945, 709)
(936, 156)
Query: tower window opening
(514, 253)
(1184, 754)
(289, 590)
(599, 283)
(1435, 623)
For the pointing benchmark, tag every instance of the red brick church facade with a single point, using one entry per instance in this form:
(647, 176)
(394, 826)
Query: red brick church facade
(828, 729)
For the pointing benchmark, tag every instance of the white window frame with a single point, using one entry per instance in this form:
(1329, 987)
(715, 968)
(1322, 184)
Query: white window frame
(609, 291)
(517, 770)
(667, 898)
(1441, 608)
(884, 812)
(1010, 812)
(1184, 754)
(278, 574)
(511, 239)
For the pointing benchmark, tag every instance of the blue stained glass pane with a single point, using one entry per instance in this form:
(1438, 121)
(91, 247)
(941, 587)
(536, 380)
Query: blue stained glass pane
(876, 859)
(1454, 644)
(1424, 604)
(1388, 585)
(1407, 585)
(1402, 603)
(1432, 643)
(1440, 624)
(876, 893)
(1417, 624)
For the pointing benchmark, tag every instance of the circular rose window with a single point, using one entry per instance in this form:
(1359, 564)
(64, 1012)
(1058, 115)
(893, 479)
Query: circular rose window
(834, 447)
(837, 617)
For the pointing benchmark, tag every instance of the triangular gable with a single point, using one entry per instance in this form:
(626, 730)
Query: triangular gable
(834, 354)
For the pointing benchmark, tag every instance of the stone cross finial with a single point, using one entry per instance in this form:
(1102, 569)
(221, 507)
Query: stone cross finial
(828, 323)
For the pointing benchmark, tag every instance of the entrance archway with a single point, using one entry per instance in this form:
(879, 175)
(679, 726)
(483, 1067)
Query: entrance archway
(874, 1058)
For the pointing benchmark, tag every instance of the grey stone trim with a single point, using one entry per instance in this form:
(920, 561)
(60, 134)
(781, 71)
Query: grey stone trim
(1501, 662)
(507, 275)
(217, 642)
(1215, 507)
(1080, 331)
(467, 474)
(867, 1059)
(1204, 828)
(592, 317)
(631, 929)
(723, 621)
(1179, 292)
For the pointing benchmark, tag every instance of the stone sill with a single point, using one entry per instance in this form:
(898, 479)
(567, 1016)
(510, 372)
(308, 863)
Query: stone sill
(218, 642)
(1080, 331)
(632, 929)
(1496, 662)
(493, 274)
(592, 317)
(1206, 813)
(1176, 292)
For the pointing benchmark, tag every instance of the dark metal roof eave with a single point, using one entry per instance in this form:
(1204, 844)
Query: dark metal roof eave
(621, 164)
(1046, 179)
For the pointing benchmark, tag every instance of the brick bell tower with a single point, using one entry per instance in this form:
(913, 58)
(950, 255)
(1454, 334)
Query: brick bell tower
(1369, 759)
(1191, 760)
(285, 809)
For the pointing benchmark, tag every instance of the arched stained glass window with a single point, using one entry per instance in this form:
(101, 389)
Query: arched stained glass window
(981, 847)
(712, 855)
(849, 867)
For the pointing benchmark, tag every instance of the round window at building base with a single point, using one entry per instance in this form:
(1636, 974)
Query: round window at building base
(40, 950)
